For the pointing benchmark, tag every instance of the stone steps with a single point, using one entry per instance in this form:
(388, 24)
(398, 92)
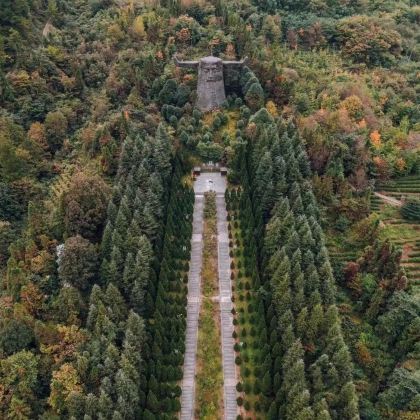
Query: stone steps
(193, 310)
(225, 300)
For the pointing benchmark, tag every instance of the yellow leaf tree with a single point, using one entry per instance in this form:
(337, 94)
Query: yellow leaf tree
(65, 382)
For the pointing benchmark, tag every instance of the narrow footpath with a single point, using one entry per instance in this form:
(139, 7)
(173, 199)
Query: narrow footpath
(389, 200)
(209, 182)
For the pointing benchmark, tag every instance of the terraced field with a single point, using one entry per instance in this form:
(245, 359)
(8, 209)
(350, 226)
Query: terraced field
(407, 187)
(376, 204)
(339, 254)
(411, 260)
(402, 232)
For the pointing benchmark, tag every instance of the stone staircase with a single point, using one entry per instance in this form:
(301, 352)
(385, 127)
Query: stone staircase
(193, 311)
(217, 183)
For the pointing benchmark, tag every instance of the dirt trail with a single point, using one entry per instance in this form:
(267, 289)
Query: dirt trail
(389, 200)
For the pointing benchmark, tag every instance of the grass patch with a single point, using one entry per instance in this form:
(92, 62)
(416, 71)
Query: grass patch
(390, 212)
(400, 232)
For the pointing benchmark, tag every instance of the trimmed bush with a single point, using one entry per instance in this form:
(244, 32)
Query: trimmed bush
(411, 210)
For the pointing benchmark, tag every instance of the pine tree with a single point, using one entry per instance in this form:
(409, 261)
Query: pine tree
(162, 152)
(106, 244)
(315, 322)
(133, 237)
(294, 387)
(317, 379)
(299, 292)
(150, 224)
(126, 157)
(115, 304)
(292, 243)
(134, 338)
(302, 324)
(129, 274)
(127, 395)
(327, 286)
(348, 402)
(152, 402)
(321, 410)
(105, 405)
(121, 226)
(266, 385)
(287, 338)
(111, 360)
(116, 415)
(282, 296)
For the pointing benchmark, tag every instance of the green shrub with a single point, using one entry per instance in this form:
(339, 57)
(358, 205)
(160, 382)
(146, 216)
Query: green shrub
(15, 336)
(411, 210)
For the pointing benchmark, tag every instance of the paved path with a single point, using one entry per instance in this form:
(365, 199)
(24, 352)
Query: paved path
(390, 200)
(207, 182)
(193, 310)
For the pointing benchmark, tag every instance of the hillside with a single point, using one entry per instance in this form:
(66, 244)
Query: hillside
(128, 290)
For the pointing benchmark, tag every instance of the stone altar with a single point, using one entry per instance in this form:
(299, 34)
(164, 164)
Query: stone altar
(210, 85)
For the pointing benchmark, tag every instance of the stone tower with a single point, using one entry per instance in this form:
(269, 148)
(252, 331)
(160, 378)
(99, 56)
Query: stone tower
(210, 85)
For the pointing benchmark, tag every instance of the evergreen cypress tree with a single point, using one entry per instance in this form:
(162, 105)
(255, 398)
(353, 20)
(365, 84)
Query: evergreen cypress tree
(115, 304)
(106, 244)
(321, 410)
(348, 405)
(105, 405)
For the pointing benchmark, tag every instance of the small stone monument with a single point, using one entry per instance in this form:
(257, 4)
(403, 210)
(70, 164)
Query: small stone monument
(210, 85)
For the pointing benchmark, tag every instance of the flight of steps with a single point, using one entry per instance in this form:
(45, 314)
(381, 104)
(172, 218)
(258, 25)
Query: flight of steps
(205, 182)
(193, 311)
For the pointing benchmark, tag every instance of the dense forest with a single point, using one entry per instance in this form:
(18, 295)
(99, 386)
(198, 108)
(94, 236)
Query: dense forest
(99, 133)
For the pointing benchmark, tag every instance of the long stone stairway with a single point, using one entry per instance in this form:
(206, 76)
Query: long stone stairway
(193, 311)
(206, 182)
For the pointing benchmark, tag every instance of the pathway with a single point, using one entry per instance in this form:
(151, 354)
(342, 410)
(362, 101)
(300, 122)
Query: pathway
(209, 182)
(193, 310)
(389, 200)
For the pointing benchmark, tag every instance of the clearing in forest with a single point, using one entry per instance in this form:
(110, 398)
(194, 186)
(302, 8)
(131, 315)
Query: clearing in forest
(209, 386)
